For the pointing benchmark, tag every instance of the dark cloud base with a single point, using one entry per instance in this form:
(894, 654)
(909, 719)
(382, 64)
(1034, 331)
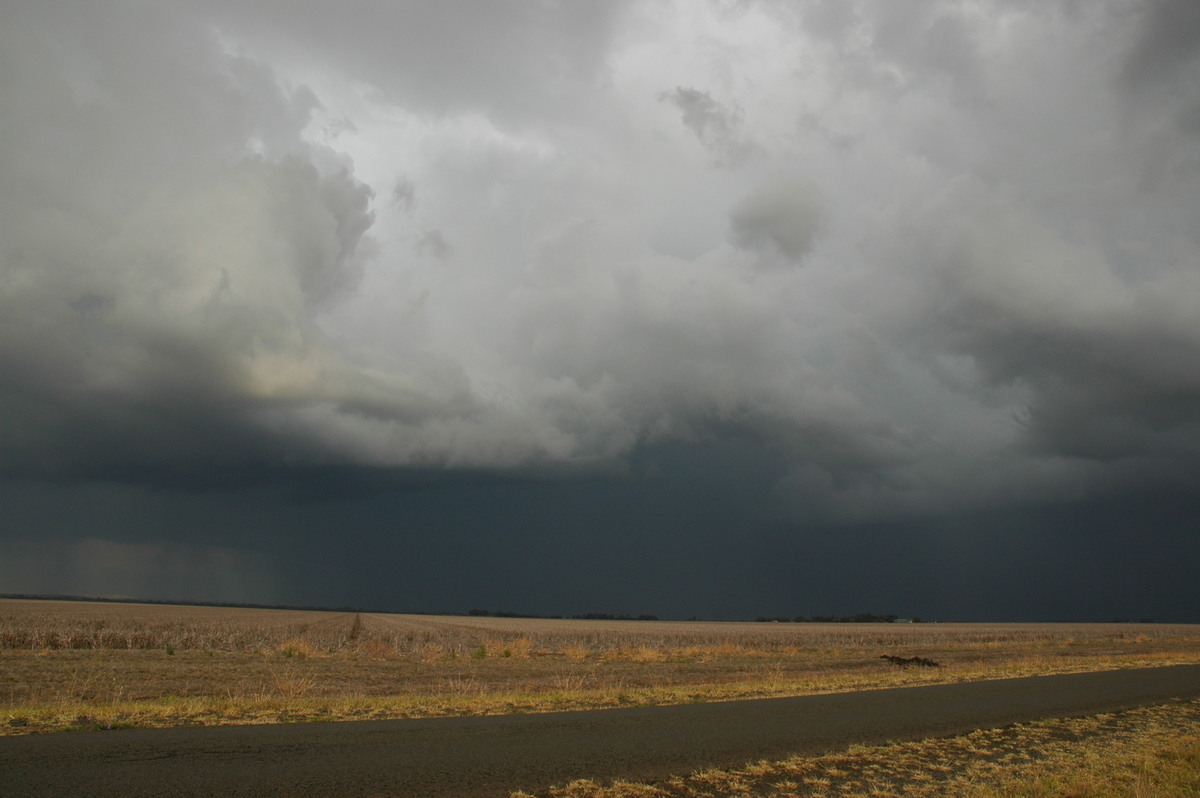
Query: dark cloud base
(675, 547)
(570, 549)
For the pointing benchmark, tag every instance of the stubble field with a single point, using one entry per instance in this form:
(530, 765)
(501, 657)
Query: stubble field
(99, 665)
(93, 666)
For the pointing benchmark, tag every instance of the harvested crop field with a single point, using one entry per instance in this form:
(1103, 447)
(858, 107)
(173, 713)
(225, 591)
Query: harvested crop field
(81, 664)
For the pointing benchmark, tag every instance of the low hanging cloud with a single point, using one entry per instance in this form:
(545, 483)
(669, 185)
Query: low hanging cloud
(716, 126)
(781, 218)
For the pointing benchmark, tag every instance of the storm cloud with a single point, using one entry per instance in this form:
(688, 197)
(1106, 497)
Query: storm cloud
(721, 282)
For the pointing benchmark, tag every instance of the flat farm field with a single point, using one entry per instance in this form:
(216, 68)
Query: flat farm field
(81, 665)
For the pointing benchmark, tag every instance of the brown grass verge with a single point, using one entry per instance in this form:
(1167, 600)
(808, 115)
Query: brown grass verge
(1153, 751)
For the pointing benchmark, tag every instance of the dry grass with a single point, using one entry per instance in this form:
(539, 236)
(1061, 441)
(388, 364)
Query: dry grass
(1154, 751)
(92, 625)
(155, 665)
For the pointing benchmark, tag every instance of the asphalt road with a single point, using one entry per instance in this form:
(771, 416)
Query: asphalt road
(491, 756)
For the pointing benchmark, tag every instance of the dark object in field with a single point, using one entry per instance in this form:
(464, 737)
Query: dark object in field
(904, 662)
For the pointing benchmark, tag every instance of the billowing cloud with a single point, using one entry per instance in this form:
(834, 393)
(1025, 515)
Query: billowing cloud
(513, 60)
(919, 260)
(168, 242)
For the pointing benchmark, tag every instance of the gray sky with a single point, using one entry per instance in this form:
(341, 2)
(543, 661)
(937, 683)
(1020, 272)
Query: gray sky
(715, 308)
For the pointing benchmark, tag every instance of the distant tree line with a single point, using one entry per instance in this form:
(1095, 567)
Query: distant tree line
(862, 617)
(587, 616)
(601, 616)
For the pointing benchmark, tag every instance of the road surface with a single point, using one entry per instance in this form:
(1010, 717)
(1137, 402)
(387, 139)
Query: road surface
(490, 756)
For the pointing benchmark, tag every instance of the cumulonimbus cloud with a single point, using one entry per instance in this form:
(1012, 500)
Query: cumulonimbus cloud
(921, 248)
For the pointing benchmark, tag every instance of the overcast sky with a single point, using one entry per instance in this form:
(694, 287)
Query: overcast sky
(686, 308)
